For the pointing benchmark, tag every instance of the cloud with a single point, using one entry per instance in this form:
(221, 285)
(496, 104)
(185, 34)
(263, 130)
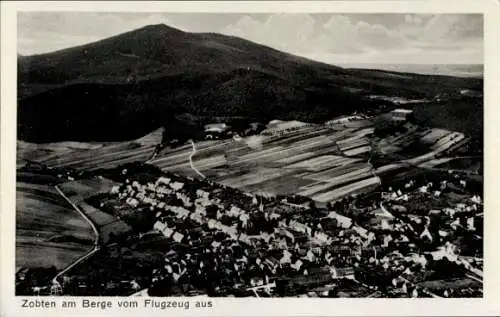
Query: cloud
(302, 34)
(290, 32)
(451, 27)
(351, 36)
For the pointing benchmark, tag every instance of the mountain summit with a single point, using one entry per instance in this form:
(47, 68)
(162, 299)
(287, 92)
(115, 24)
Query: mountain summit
(130, 84)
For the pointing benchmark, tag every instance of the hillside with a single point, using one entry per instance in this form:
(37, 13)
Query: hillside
(130, 84)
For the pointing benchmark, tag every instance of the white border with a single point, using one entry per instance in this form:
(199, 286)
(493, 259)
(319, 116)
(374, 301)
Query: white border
(489, 305)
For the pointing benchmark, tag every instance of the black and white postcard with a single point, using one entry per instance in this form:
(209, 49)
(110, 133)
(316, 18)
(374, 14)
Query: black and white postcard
(182, 160)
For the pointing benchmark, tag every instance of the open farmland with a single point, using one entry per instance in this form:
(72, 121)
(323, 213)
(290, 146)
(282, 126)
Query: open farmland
(319, 161)
(322, 161)
(48, 230)
(90, 156)
(79, 191)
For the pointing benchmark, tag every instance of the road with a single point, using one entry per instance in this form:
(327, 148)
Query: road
(94, 249)
(191, 160)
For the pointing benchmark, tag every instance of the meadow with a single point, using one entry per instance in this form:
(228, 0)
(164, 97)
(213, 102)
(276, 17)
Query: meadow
(48, 230)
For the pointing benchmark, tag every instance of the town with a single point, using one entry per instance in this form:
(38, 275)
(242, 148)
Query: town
(166, 233)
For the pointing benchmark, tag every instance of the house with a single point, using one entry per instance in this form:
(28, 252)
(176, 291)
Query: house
(401, 114)
(361, 231)
(197, 217)
(160, 226)
(322, 237)
(163, 180)
(441, 253)
(216, 128)
(132, 202)
(426, 235)
(476, 199)
(178, 237)
(461, 206)
(297, 265)
(167, 232)
(387, 239)
(276, 127)
(176, 186)
(343, 221)
(244, 238)
(470, 224)
(297, 226)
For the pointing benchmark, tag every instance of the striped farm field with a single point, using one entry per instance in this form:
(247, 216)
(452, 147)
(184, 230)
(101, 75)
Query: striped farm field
(314, 188)
(356, 143)
(434, 135)
(39, 153)
(448, 140)
(256, 176)
(358, 150)
(92, 159)
(209, 163)
(358, 135)
(338, 171)
(318, 161)
(90, 156)
(363, 185)
(323, 162)
(83, 155)
(344, 178)
(140, 156)
(281, 185)
(307, 162)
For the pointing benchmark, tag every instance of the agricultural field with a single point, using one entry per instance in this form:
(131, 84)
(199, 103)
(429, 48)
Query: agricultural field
(107, 224)
(78, 192)
(89, 156)
(48, 230)
(319, 161)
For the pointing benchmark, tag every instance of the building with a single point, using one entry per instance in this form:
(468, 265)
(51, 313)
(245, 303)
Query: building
(401, 114)
(276, 127)
(342, 221)
(216, 128)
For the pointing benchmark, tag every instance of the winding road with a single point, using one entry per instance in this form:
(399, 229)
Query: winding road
(94, 249)
(191, 160)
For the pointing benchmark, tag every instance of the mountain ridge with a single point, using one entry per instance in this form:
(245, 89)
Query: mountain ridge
(132, 83)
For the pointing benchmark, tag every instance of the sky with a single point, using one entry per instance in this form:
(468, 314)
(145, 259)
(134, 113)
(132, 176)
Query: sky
(332, 38)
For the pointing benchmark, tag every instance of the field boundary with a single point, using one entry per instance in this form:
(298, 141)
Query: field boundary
(94, 249)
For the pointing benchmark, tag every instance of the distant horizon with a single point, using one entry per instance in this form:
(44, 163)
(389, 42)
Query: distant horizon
(450, 69)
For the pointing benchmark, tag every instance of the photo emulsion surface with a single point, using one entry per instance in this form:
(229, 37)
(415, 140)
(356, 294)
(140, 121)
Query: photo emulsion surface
(249, 155)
